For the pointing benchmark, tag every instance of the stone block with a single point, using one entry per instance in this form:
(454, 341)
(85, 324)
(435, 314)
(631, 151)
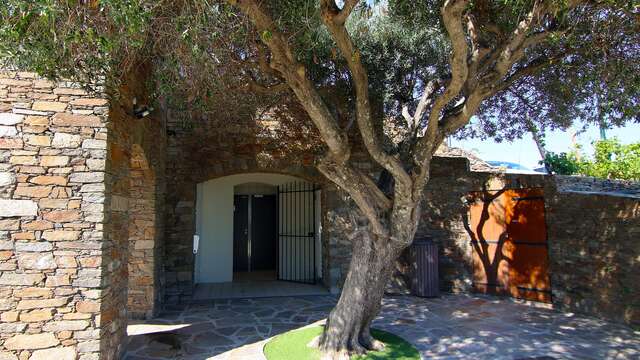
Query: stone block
(10, 208)
(7, 178)
(9, 143)
(23, 235)
(8, 131)
(69, 91)
(23, 160)
(9, 316)
(37, 315)
(34, 246)
(32, 292)
(96, 164)
(36, 261)
(63, 353)
(66, 119)
(60, 235)
(53, 160)
(38, 140)
(41, 304)
(89, 346)
(66, 262)
(8, 278)
(53, 203)
(91, 262)
(49, 180)
(14, 82)
(37, 120)
(10, 119)
(61, 216)
(87, 177)
(144, 244)
(37, 225)
(89, 102)
(94, 144)
(43, 84)
(66, 325)
(33, 191)
(92, 188)
(5, 255)
(88, 306)
(49, 106)
(31, 342)
(57, 280)
(5, 355)
(10, 224)
(65, 140)
(12, 328)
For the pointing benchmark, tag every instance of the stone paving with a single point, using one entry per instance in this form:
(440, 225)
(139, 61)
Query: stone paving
(449, 327)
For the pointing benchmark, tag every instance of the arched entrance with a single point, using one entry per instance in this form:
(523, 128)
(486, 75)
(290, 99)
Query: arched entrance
(257, 234)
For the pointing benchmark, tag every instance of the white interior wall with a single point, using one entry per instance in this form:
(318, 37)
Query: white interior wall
(214, 223)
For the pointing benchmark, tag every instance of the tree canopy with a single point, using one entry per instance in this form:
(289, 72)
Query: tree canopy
(586, 58)
(393, 78)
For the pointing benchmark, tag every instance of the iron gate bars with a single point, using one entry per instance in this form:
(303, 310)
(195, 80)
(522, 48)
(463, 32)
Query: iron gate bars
(297, 232)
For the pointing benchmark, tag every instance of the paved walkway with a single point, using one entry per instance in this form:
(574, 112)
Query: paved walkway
(450, 327)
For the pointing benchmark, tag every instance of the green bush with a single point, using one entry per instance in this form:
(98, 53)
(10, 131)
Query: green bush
(611, 160)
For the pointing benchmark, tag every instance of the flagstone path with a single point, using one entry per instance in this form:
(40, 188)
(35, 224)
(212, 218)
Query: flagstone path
(449, 327)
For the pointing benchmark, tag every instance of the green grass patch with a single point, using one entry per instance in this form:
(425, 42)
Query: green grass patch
(293, 345)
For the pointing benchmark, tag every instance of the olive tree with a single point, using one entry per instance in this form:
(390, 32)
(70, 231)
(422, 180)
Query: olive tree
(394, 78)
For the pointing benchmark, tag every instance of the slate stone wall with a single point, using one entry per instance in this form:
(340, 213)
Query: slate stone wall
(592, 225)
(80, 203)
(52, 175)
(594, 253)
(206, 149)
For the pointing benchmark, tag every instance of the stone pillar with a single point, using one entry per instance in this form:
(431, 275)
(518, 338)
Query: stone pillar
(52, 244)
(143, 234)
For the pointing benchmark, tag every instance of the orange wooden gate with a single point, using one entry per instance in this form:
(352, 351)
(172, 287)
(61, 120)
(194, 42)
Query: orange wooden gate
(509, 240)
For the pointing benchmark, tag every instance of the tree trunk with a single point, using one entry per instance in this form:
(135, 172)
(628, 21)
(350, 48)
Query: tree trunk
(347, 329)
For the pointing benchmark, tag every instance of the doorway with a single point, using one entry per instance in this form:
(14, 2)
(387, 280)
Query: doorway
(257, 231)
(254, 237)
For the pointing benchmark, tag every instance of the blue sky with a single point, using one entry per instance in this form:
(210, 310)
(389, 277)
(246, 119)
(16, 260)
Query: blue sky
(524, 151)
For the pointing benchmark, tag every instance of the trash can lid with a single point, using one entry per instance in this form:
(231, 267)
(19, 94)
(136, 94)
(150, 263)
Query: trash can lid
(422, 241)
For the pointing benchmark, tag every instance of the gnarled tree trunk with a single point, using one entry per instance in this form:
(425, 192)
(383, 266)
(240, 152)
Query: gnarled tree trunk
(348, 326)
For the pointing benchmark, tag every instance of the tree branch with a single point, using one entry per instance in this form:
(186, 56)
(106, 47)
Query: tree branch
(336, 167)
(352, 182)
(331, 16)
(347, 8)
(451, 11)
(295, 75)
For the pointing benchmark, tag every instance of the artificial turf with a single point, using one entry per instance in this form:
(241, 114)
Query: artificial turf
(293, 345)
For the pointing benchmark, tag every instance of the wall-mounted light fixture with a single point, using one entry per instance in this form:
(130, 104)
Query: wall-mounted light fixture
(140, 111)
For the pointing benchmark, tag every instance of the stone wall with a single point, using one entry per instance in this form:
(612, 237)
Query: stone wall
(594, 253)
(593, 236)
(205, 149)
(136, 152)
(52, 163)
(79, 191)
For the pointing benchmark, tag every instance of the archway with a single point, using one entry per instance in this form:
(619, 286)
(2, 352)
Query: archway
(257, 227)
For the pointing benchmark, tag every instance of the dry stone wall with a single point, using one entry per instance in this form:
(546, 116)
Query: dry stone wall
(81, 218)
(205, 149)
(593, 229)
(52, 174)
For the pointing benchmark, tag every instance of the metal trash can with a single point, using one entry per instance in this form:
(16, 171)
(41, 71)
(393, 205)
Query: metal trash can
(424, 279)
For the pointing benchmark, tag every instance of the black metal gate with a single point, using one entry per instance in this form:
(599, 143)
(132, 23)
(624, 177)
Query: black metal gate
(297, 232)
